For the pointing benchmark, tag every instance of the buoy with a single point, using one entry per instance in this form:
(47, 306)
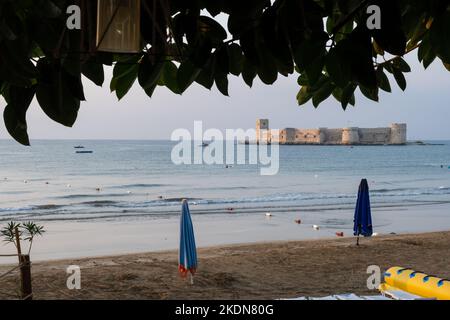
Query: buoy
(298, 221)
(339, 234)
(316, 227)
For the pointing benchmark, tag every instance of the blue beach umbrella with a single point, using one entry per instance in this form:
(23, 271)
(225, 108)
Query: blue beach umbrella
(363, 217)
(188, 251)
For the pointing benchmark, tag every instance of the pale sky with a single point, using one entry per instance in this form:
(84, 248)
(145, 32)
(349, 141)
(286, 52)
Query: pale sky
(424, 107)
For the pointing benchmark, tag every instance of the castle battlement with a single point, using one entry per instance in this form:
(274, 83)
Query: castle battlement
(393, 135)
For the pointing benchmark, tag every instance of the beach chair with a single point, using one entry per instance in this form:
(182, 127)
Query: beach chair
(397, 294)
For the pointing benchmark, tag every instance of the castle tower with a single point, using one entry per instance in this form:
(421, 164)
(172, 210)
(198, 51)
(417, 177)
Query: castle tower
(262, 131)
(350, 136)
(398, 133)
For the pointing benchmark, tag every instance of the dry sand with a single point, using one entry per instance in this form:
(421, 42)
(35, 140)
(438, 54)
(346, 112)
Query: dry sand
(257, 271)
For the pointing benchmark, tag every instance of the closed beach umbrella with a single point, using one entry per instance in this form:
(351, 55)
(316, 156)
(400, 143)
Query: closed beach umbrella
(363, 217)
(188, 250)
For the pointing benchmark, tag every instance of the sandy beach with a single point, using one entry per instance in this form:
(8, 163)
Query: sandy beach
(257, 271)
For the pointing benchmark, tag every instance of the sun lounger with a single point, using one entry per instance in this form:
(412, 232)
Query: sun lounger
(350, 296)
(397, 294)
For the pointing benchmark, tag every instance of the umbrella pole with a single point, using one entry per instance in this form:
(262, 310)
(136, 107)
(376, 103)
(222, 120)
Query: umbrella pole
(357, 240)
(192, 278)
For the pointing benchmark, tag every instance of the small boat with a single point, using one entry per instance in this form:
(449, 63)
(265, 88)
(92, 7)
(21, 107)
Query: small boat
(79, 147)
(84, 152)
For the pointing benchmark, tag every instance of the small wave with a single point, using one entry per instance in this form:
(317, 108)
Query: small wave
(47, 207)
(389, 190)
(20, 209)
(15, 192)
(93, 195)
(100, 203)
(139, 185)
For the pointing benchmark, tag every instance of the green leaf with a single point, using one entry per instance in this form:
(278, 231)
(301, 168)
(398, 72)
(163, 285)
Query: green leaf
(125, 74)
(206, 76)
(426, 53)
(401, 64)
(248, 73)
(169, 77)
(236, 59)
(307, 52)
(124, 83)
(359, 47)
(348, 96)
(14, 114)
(337, 66)
(212, 29)
(304, 95)
(222, 83)
(370, 93)
(383, 81)
(54, 93)
(323, 93)
(400, 78)
(149, 72)
(303, 80)
(187, 73)
(93, 70)
(439, 36)
(267, 70)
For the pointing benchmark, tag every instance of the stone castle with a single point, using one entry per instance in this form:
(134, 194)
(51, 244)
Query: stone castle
(393, 135)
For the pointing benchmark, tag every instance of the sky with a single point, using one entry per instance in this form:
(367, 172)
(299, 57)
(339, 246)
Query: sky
(424, 106)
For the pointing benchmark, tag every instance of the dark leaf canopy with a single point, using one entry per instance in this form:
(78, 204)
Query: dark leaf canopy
(327, 44)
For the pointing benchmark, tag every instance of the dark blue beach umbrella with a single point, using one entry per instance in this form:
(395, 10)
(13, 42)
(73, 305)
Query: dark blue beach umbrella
(363, 217)
(188, 250)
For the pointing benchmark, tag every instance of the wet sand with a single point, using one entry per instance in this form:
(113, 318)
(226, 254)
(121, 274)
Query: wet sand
(247, 271)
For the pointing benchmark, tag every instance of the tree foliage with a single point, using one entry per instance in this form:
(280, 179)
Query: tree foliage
(326, 43)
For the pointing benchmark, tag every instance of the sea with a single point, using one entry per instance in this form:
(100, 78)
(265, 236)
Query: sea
(126, 180)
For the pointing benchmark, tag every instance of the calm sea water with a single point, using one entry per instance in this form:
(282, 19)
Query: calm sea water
(129, 179)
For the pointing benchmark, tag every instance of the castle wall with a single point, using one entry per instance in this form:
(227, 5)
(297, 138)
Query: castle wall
(375, 136)
(396, 134)
(306, 136)
(333, 136)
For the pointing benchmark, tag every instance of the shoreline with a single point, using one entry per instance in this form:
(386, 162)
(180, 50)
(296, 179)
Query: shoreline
(266, 270)
(79, 239)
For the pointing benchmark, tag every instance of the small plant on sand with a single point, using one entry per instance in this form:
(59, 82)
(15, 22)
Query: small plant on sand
(15, 232)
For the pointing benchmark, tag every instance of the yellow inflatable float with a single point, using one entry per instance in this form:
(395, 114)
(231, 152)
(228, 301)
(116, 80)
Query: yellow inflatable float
(417, 283)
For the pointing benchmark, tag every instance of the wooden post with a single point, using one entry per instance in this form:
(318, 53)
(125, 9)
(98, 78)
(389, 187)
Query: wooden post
(26, 288)
(19, 249)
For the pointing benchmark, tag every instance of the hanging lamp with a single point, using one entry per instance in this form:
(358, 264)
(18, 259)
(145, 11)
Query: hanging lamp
(118, 26)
